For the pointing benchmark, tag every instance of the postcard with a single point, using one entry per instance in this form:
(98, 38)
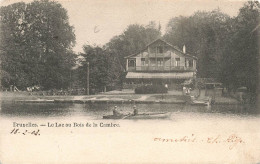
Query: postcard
(120, 81)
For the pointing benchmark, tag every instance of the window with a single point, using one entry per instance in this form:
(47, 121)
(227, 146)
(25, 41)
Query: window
(160, 49)
(159, 62)
(177, 62)
(131, 63)
(153, 62)
(190, 63)
(142, 61)
(186, 62)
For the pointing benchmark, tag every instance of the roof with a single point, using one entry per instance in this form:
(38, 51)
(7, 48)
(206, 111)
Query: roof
(175, 48)
(166, 75)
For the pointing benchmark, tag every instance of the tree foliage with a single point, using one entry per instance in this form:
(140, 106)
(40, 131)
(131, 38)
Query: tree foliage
(240, 67)
(36, 45)
(102, 68)
(204, 35)
(227, 48)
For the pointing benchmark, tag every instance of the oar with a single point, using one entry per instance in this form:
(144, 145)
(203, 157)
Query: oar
(126, 116)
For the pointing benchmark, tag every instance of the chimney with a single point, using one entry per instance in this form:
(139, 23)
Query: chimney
(184, 49)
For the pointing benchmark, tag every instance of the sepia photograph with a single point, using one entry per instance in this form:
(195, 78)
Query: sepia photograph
(129, 81)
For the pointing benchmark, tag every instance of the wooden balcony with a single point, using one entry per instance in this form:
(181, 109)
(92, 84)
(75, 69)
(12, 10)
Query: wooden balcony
(159, 69)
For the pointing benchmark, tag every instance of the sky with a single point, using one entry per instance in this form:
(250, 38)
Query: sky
(97, 21)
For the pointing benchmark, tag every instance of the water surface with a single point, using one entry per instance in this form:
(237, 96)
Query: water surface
(96, 111)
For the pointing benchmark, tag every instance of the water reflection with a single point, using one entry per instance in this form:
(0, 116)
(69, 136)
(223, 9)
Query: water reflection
(96, 111)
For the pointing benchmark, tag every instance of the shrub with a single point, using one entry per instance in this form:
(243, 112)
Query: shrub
(150, 89)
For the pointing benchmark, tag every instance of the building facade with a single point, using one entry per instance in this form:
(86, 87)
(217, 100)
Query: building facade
(160, 62)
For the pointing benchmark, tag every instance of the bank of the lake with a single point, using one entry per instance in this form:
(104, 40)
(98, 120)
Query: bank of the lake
(116, 97)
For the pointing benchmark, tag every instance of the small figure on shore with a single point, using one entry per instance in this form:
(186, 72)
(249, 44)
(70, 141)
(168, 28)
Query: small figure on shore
(135, 110)
(166, 86)
(184, 90)
(116, 112)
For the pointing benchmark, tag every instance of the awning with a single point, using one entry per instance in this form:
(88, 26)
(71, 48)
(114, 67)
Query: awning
(166, 75)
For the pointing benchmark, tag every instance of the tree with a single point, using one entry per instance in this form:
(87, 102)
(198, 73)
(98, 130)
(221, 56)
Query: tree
(204, 35)
(36, 45)
(227, 48)
(240, 67)
(12, 30)
(101, 68)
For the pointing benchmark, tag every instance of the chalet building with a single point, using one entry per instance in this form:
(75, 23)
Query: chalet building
(161, 63)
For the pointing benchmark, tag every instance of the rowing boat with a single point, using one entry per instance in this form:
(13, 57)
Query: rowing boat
(203, 103)
(139, 116)
(193, 101)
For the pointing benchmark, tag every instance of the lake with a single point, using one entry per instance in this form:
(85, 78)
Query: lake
(124, 143)
(96, 111)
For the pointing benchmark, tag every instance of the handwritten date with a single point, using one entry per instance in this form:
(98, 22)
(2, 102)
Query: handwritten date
(17, 131)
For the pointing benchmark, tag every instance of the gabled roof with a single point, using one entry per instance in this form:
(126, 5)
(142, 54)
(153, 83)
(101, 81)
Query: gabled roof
(175, 48)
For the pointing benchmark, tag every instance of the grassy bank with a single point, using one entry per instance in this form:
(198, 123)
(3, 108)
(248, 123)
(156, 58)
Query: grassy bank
(114, 97)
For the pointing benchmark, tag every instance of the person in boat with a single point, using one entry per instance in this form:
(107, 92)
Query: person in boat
(135, 111)
(116, 112)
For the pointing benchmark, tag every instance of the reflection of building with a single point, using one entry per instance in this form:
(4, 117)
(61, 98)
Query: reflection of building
(160, 62)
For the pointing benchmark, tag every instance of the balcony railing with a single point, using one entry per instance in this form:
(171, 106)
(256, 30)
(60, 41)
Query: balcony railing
(158, 55)
(159, 68)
